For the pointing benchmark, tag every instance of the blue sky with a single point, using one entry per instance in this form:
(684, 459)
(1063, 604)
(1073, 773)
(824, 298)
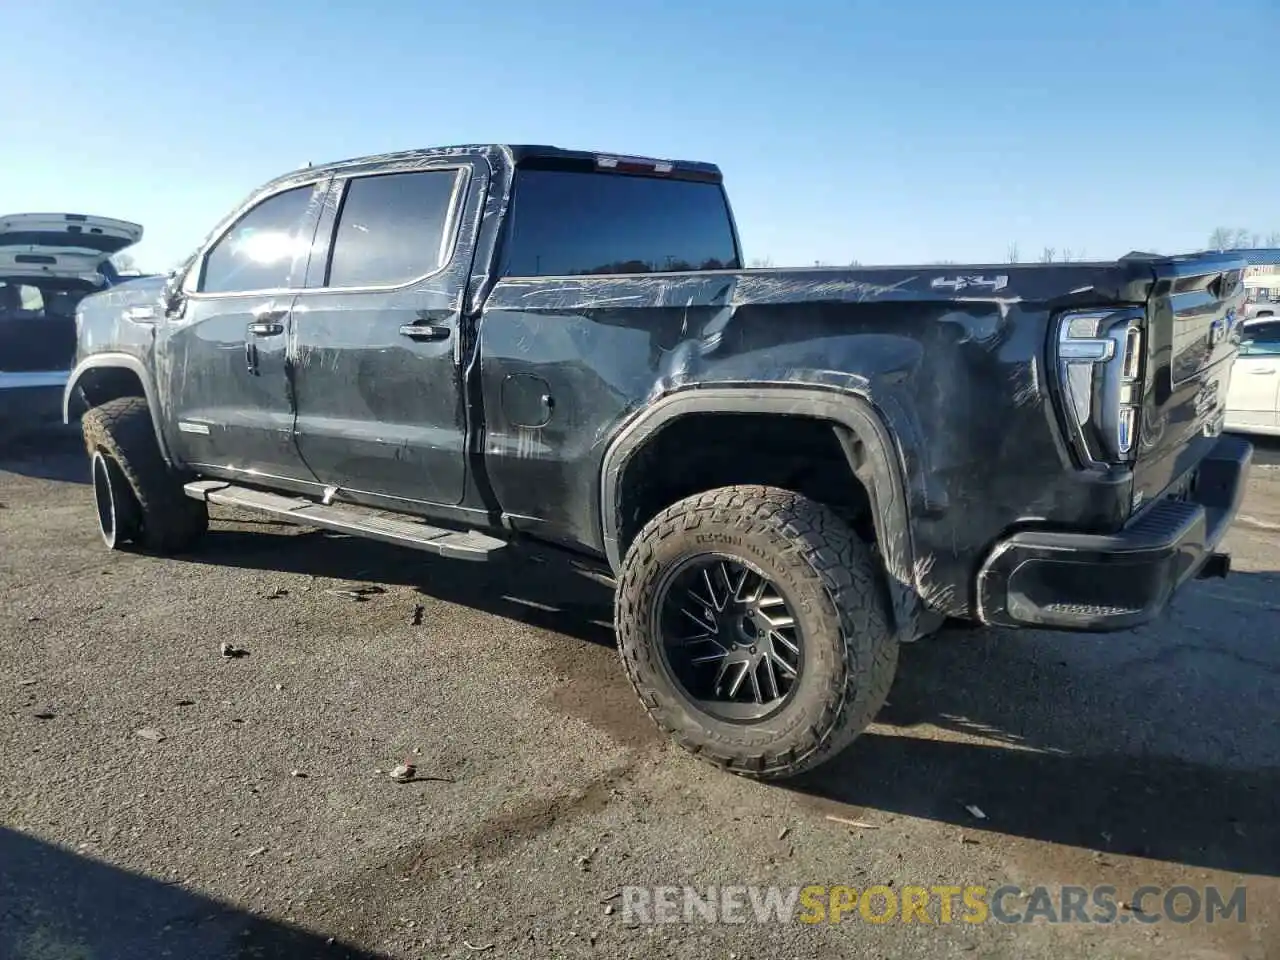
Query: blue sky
(883, 132)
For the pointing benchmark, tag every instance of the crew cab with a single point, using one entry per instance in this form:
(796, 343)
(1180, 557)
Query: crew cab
(787, 473)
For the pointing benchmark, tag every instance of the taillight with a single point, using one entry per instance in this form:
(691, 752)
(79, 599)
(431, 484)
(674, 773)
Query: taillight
(1100, 361)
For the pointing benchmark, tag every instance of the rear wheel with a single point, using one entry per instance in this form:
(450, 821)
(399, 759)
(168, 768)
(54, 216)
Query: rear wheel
(753, 624)
(139, 498)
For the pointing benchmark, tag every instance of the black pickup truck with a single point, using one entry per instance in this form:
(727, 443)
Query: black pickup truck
(786, 473)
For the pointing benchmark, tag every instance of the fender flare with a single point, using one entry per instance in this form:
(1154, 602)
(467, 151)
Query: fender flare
(865, 439)
(117, 361)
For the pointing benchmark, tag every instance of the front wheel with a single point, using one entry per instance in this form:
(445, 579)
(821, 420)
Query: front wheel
(118, 521)
(139, 498)
(753, 624)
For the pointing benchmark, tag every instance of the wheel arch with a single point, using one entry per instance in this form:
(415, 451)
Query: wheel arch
(868, 449)
(108, 376)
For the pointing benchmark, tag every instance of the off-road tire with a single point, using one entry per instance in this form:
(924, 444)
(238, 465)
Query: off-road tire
(834, 587)
(166, 521)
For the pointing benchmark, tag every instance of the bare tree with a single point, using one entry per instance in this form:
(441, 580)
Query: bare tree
(1047, 255)
(1221, 238)
(761, 263)
(1012, 254)
(124, 262)
(1237, 238)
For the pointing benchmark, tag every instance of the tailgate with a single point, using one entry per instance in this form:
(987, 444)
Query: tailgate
(68, 231)
(1192, 336)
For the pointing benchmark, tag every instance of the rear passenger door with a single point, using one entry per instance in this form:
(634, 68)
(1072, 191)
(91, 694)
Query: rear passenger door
(378, 372)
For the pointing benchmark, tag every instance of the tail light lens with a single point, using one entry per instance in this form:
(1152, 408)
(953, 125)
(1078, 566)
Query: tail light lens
(1100, 368)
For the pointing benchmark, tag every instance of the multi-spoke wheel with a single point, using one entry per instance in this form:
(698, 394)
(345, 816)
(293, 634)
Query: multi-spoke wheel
(754, 626)
(728, 637)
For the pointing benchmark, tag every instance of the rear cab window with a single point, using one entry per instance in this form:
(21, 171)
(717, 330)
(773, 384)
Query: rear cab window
(568, 221)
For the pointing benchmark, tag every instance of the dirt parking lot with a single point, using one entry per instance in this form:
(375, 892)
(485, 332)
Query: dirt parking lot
(158, 799)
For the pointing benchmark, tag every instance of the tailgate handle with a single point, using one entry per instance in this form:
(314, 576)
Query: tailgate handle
(1263, 371)
(266, 329)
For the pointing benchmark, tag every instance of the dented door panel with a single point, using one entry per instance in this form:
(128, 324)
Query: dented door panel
(378, 371)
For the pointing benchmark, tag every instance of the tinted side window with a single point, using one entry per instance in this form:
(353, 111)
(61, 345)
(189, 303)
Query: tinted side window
(258, 252)
(391, 228)
(566, 223)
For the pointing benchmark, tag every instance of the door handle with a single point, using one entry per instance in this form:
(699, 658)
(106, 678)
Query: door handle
(263, 328)
(425, 331)
(1263, 371)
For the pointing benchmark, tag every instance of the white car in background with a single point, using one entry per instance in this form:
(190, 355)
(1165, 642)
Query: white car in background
(48, 263)
(1253, 401)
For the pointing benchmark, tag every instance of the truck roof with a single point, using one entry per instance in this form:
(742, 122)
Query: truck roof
(506, 154)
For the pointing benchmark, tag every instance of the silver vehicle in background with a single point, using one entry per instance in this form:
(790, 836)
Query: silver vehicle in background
(48, 263)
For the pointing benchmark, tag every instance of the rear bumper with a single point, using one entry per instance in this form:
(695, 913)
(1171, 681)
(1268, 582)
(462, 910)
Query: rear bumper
(30, 398)
(1102, 582)
(33, 379)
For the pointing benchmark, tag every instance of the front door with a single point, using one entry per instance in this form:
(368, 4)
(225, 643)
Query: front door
(1255, 379)
(379, 376)
(223, 352)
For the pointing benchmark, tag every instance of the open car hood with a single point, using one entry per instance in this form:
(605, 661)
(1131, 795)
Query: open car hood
(63, 245)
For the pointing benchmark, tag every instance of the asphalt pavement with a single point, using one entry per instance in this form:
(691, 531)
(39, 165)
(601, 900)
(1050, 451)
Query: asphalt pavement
(159, 798)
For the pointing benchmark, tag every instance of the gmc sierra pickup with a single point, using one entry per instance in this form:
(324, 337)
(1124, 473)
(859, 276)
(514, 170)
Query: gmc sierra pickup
(787, 473)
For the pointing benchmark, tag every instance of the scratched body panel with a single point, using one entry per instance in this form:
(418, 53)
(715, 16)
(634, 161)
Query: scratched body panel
(229, 404)
(379, 413)
(105, 326)
(959, 382)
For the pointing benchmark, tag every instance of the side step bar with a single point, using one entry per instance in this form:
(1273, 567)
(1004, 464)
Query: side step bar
(402, 532)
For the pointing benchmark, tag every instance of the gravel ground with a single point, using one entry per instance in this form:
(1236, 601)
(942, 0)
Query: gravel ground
(160, 799)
